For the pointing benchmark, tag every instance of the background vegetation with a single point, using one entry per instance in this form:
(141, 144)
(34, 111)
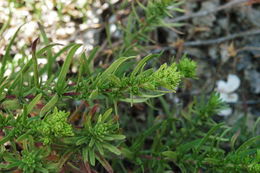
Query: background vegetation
(93, 86)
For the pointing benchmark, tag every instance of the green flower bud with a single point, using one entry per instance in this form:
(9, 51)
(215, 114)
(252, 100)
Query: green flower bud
(58, 124)
(166, 76)
(29, 159)
(187, 67)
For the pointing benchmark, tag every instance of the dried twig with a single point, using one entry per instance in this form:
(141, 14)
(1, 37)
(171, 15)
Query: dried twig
(221, 39)
(204, 13)
(212, 41)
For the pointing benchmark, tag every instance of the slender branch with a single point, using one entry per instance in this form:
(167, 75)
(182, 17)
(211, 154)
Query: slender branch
(207, 12)
(210, 41)
(222, 39)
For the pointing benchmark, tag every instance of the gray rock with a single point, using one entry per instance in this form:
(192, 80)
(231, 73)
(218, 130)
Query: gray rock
(209, 19)
(253, 77)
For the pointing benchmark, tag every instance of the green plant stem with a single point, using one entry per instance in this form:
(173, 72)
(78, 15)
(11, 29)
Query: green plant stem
(64, 159)
(115, 107)
(35, 65)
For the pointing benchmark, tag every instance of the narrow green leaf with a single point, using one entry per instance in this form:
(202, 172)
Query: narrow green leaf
(48, 82)
(91, 57)
(222, 135)
(49, 105)
(106, 115)
(93, 94)
(49, 53)
(7, 52)
(112, 148)
(255, 125)
(151, 96)
(7, 23)
(6, 138)
(142, 63)
(107, 138)
(117, 137)
(33, 103)
(3, 166)
(233, 139)
(54, 57)
(43, 33)
(20, 86)
(42, 170)
(80, 71)
(179, 10)
(13, 165)
(108, 35)
(2, 87)
(11, 104)
(205, 138)
(64, 49)
(81, 140)
(40, 52)
(92, 142)
(114, 79)
(248, 143)
(35, 64)
(170, 154)
(85, 153)
(100, 148)
(134, 100)
(92, 157)
(23, 136)
(113, 67)
(140, 140)
(127, 153)
(9, 157)
(135, 12)
(17, 77)
(187, 146)
(105, 163)
(65, 68)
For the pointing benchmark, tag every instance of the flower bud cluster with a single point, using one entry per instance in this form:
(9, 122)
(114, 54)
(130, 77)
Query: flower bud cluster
(100, 130)
(54, 125)
(29, 160)
(166, 76)
(187, 68)
(157, 9)
(58, 124)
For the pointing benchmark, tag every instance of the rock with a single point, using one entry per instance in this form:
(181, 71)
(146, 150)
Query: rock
(245, 61)
(253, 14)
(209, 19)
(253, 77)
